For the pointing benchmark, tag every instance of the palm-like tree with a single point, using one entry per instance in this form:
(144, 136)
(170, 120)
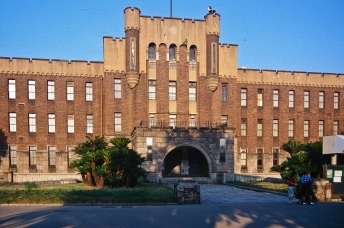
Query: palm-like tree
(293, 147)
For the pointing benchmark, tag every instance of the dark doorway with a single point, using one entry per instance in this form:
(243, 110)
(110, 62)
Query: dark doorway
(185, 161)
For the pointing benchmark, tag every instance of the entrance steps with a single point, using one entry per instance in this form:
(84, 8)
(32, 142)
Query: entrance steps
(199, 180)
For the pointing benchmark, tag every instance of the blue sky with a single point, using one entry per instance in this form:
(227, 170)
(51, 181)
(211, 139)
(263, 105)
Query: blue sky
(294, 35)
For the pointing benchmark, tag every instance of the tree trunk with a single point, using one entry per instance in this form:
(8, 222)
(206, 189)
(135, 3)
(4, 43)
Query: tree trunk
(89, 179)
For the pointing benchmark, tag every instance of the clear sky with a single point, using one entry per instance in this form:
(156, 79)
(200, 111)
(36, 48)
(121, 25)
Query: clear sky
(293, 35)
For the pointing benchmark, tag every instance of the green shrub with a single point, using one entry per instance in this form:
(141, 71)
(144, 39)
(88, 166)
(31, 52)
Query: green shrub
(30, 185)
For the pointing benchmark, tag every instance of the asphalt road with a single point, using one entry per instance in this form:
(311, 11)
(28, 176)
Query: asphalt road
(326, 214)
(222, 206)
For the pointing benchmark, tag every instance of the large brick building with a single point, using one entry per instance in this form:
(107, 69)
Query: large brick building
(173, 89)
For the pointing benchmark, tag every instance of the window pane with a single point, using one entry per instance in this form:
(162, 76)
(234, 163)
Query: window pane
(89, 91)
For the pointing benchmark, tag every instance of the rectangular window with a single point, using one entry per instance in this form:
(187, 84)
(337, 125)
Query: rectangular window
(32, 89)
(192, 91)
(12, 116)
(70, 91)
(259, 158)
(51, 123)
(335, 127)
(32, 155)
(149, 147)
(291, 98)
(260, 128)
(118, 122)
(52, 155)
(11, 89)
(260, 98)
(192, 121)
(173, 120)
(89, 124)
(243, 96)
(118, 88)
(275, 128)
(172, 91)
(224, 91)
(32, 122)
(151, 89)
(71, 154)
(89, 91)
(321, 99)
(51, 90)
(70, 123)
(152, 120)
(224, 119)
(243, 158)
(222, 150)
(306, 128)
(306, 99)
(291, 128)
(321, 128)
(275, 152)
(275, 98)
(336, 100)
(13, 154)
(243, 127)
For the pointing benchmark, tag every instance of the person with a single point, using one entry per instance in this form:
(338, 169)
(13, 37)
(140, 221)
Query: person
(306, 187)
(291, 186)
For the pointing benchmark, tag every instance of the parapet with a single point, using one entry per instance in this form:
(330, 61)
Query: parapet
(295, 78)
(50, 67)
(132, 18)
(212, 24)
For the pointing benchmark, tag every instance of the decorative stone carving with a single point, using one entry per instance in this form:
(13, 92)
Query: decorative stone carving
(212, 82)
(132, 79)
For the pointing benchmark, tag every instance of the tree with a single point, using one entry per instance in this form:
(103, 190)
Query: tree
(303, 158)
(293, 147)
(115, 165)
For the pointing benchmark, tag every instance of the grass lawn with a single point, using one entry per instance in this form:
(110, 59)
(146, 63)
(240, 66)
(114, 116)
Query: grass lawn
(148, 193)
(273, 186)
(265, 185)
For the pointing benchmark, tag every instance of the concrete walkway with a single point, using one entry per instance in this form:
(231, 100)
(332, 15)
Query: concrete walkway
(216, 193)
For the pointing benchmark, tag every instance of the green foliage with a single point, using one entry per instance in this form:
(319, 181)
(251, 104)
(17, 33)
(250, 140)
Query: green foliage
(119, 142)
(108, 161)
(293, 147)
(97, 143)
(78, 194)
(111, 180)
(100, 171)
(30, 185)
(303, 158)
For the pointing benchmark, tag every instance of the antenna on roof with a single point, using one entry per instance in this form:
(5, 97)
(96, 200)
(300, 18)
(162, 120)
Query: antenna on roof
(170, 8)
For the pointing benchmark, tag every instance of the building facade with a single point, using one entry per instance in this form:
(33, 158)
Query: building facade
(175, 91)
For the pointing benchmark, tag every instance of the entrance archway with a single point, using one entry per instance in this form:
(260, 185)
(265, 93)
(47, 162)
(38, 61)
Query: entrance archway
(185, 161)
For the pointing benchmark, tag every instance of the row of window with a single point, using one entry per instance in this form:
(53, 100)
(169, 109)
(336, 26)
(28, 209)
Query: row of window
(172, 93)
(172, 90)
(275, 127)
(50, 90)
(33, 155)
(153, 55)
(291, 98)
(51, 123)
(12, 117)
(260, 154)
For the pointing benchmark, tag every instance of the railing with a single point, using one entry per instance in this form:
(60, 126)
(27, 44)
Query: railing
(181, 124)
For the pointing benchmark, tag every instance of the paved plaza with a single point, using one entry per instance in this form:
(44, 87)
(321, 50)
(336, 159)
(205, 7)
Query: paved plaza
(216, 193)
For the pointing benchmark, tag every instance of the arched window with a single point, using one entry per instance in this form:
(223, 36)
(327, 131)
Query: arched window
(192, 56)
(172, 52)
(151, 51)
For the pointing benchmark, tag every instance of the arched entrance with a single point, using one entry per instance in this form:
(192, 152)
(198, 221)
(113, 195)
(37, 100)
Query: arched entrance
(185, 161)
